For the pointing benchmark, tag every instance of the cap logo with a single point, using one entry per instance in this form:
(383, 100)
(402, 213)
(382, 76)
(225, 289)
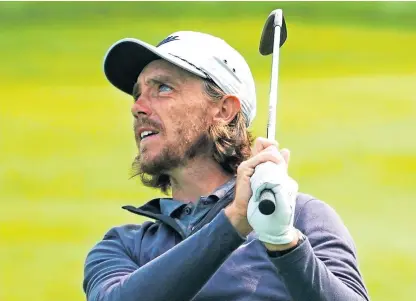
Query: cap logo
(168, 39)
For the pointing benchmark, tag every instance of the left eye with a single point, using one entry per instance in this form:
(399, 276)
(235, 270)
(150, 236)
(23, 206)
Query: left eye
(164, 88)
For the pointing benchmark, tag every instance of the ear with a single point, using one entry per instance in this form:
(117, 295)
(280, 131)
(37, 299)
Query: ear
(227, 109)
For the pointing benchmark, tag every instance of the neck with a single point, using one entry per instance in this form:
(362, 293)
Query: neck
(200, 177)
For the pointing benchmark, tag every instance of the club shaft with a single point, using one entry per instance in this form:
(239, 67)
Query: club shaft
(273, 96)
(268, 195)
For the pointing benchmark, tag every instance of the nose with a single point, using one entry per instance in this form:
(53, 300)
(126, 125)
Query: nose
(141, 106)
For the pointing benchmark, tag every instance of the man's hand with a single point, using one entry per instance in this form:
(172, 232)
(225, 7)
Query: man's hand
(264, 150)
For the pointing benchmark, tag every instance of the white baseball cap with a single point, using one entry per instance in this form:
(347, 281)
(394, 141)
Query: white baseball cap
(199, 53)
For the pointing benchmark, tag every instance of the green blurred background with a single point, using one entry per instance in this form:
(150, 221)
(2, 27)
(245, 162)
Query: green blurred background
(347, 111)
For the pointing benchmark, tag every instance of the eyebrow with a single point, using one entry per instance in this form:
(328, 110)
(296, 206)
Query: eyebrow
(157, 79)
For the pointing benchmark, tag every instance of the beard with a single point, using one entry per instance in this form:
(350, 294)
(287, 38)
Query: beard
(173, 156)
(191, 141)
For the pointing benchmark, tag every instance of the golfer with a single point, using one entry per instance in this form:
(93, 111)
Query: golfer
(194, 99)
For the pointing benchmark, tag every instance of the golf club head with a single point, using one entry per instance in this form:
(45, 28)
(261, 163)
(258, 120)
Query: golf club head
(267, 36)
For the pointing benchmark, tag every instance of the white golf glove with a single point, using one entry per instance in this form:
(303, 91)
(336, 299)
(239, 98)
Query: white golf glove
(276, 228)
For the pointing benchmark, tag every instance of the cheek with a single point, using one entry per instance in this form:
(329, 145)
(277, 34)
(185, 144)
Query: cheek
(183, 122)
(186, 130)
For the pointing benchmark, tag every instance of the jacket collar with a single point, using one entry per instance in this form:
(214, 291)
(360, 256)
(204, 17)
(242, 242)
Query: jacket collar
(162, 208)
(167, 206)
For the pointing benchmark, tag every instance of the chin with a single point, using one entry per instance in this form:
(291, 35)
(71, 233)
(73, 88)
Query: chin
(148, 156)
(149, 150)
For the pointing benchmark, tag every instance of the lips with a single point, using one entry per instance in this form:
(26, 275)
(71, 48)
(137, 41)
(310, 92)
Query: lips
(146, 133)
(145, 128)
(148, 138)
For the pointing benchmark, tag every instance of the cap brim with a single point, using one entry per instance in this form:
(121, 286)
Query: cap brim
(127, 58)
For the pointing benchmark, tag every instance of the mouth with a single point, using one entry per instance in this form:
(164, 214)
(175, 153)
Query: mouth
(147, 134)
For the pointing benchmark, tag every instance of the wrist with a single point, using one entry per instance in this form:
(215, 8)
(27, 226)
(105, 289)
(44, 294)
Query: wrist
(284, 247)
(238, 221)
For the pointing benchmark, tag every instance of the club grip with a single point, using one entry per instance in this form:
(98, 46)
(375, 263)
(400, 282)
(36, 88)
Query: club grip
(267, 204)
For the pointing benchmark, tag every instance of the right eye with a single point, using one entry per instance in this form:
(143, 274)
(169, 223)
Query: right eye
(164, 88)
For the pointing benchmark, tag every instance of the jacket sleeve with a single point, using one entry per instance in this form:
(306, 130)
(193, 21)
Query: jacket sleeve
(324, 267)
(112, 275)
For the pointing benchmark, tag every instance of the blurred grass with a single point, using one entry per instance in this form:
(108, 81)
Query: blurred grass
(347, 113)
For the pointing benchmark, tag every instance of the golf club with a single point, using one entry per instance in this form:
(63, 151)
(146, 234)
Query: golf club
(273, 37)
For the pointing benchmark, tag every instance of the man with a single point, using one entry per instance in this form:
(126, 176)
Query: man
(194, 98)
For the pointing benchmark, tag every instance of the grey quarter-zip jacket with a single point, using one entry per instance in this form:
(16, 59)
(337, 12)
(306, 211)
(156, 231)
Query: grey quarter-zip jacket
(192, 252)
